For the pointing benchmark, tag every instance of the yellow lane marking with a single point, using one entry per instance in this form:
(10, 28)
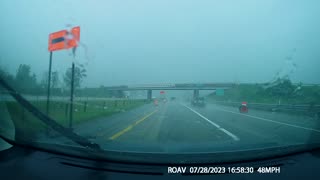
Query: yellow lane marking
(118, 134)
(121, 132)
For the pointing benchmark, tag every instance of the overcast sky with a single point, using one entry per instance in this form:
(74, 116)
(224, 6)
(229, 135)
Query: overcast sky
(167, 41)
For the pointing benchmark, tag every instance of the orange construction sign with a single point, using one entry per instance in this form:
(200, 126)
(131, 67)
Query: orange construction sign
(64, 39)
(75, 32)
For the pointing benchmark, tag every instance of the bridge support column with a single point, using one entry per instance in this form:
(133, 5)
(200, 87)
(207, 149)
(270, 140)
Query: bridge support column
(149, 95)
(196, 94)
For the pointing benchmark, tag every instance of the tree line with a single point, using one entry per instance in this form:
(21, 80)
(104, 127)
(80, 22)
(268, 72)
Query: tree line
(25, 81)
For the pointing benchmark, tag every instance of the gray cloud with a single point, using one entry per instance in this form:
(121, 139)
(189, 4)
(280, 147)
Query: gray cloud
(136, 42)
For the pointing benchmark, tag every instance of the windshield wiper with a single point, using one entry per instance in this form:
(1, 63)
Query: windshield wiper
(47, 120)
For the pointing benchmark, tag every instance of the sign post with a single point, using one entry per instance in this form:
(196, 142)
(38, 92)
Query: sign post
(58, 41)
(71, 97)
(49, 81)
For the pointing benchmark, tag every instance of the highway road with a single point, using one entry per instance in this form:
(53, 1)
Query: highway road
(179, 127)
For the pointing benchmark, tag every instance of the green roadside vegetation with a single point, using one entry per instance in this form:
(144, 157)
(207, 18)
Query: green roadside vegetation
(29, 126)
(284, 93)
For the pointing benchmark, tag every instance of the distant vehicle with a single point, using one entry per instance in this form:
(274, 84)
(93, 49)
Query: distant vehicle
(155, 102)
(243, 108)
(198, 102)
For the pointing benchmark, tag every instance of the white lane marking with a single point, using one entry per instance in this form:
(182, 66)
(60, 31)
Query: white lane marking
(234, 137)
(230, 134)
(269, 120)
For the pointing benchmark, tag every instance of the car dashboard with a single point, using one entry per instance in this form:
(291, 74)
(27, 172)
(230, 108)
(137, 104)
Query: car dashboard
(20, 162)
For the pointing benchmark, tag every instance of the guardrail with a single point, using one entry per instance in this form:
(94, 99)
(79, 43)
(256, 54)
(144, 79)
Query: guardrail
(310, 109)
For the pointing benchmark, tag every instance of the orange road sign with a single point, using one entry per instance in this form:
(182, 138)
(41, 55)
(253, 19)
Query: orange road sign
(64, 39)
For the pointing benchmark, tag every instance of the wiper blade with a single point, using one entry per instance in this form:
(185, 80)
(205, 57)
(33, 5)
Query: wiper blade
(47, 120)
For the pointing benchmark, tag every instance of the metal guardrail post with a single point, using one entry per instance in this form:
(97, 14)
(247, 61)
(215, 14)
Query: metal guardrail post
(85, 107)
(66, 110)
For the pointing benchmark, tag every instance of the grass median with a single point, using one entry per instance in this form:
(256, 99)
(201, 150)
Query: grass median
(28, 126)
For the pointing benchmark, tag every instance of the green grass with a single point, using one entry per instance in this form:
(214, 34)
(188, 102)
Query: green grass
(28, 126)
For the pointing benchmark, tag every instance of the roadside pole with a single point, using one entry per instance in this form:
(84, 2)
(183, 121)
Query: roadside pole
(58, 41)
(49, 81)
(71, 97)
(48, 91)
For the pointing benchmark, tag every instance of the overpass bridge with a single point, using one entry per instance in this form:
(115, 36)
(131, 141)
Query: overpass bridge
(196, 87)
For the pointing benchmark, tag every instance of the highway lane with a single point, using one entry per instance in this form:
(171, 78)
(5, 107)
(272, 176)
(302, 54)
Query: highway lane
(172, 125)
(179, 127)
(263, 126)
(153, 128)
(103, 128)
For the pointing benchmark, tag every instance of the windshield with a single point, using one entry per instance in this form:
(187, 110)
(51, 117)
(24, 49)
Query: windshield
(161, 76)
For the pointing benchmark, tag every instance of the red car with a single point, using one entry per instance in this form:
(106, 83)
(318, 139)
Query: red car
(243, 107)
